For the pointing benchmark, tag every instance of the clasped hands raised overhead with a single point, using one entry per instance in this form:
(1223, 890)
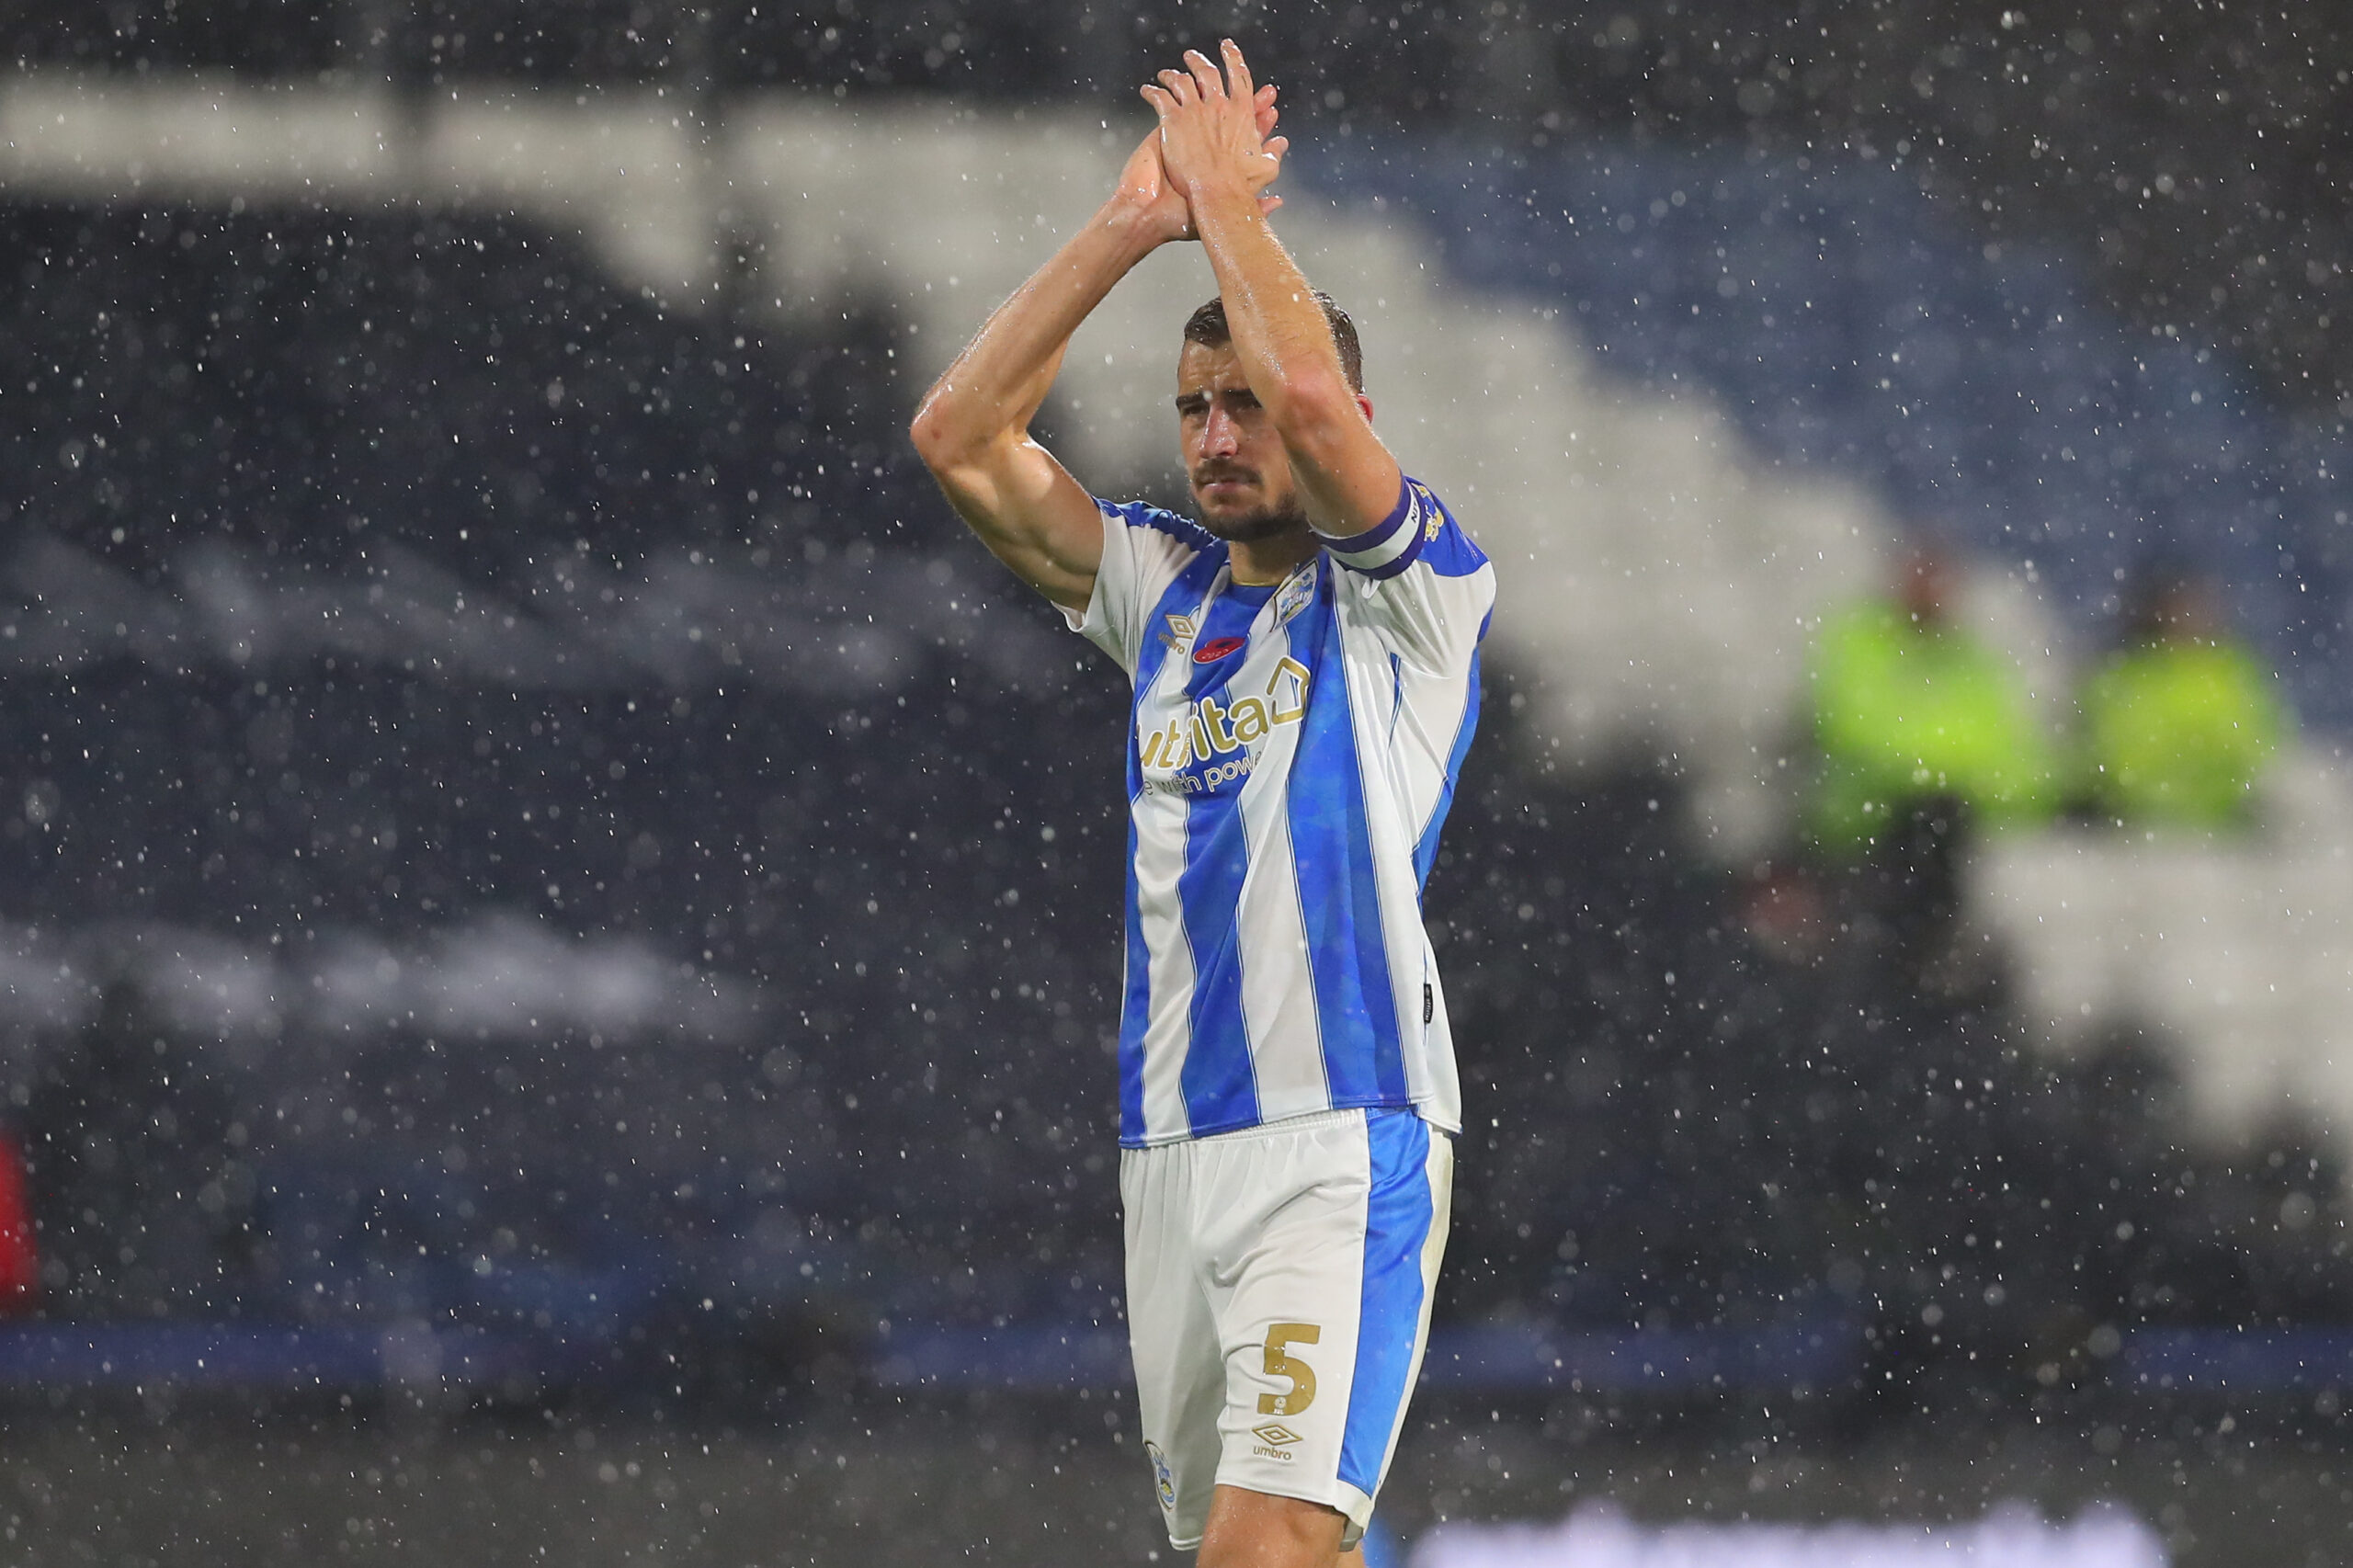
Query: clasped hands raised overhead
(1215, 142)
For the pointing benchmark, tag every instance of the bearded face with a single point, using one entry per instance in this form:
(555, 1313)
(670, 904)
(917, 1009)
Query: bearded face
(1234, 460)
(1238, 518)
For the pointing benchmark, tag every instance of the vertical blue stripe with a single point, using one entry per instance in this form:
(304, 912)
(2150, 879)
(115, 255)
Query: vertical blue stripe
(1355, 1006)
(1182, 597)
(1425, 847)
(1399, 1211)
(1135, 1009)
(1220, 1081)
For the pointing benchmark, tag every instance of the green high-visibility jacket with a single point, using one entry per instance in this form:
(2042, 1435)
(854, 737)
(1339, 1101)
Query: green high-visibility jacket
(2177, 733)
(1901, 712)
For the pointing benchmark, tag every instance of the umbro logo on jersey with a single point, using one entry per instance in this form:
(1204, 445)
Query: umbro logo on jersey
(1217, 648)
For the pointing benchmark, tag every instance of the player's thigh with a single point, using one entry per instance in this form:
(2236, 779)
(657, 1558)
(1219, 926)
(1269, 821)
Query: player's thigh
(1328, 1308)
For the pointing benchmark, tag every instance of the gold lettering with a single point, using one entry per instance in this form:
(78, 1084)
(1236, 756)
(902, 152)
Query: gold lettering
(1298, 672)
(1207, 731)
(1279, 1337)
(1220, 736)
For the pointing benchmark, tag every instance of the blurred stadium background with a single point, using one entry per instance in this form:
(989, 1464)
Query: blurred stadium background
(553, 993)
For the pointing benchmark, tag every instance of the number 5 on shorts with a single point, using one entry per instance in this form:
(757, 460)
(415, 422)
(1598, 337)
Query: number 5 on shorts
(1301, 1375)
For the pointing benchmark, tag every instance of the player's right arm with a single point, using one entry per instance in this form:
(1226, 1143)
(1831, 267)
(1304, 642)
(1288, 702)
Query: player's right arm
(973, 429)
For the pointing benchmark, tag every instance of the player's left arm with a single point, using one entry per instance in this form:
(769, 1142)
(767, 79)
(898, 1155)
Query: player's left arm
(1209, 144)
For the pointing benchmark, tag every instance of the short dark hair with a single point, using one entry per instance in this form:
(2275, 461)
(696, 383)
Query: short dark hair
(1208, 327)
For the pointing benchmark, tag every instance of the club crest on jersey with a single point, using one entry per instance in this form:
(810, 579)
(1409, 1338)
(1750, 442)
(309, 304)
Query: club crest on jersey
(1297, 592)
(1210, 730)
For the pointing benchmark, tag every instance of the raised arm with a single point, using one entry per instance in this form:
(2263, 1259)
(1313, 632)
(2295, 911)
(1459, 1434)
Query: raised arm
(972, 428)
(1211, 153)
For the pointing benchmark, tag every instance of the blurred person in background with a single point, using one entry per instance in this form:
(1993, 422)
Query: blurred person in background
(1924, 736)
(1911, 708)
(20, 1257)
(2181, 721)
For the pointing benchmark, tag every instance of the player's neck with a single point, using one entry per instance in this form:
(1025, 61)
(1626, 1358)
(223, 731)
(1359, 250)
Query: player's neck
(1260, 562)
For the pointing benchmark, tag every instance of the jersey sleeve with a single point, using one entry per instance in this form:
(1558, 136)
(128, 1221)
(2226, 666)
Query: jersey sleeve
(1143, 549)
(1419, 578)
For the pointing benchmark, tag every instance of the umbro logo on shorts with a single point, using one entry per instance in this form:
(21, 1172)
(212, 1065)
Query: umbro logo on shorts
(1273, 1440)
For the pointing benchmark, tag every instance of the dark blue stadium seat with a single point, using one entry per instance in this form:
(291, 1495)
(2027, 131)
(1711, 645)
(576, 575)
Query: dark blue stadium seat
(1845, 324)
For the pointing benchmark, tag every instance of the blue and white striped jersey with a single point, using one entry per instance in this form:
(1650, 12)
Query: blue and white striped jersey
(1293, 750)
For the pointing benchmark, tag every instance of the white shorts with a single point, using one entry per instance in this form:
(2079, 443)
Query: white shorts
(1279, 1299)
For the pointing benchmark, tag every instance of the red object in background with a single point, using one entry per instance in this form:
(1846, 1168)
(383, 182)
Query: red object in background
(19, 1260)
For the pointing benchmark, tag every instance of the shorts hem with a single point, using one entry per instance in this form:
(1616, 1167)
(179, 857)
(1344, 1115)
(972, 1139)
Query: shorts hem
(1343, 1499)
(1332, 1117)
(1305, 1121)
(1356, 1505)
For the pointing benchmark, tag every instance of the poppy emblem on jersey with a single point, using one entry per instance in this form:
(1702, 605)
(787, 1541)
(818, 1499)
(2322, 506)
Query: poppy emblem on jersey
(1217, 648)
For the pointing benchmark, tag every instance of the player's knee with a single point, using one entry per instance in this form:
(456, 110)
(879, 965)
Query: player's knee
(1255, 1529)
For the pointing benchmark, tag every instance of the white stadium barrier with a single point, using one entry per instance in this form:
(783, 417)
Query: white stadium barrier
(2237, 954)
(1599, 1536)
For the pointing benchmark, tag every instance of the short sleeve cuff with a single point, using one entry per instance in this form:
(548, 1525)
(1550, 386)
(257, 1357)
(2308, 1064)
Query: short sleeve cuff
(1094, 623)
(1389, 546)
